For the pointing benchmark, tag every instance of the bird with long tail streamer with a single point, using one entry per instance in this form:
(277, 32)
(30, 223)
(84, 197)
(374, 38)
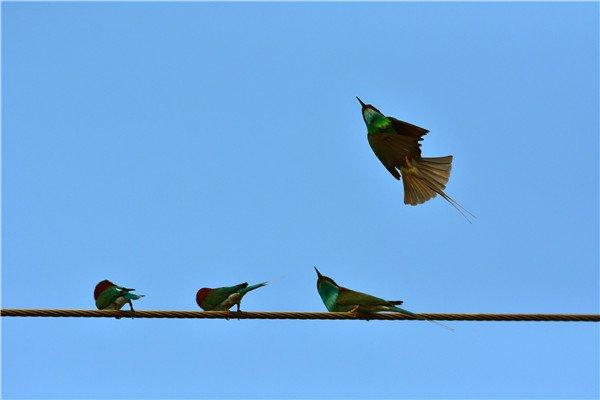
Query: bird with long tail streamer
(397, 145)
(340, 299)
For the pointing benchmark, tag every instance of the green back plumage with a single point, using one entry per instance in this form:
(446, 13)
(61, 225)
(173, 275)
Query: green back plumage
(350, 298)
(108, 296)
(219, 295)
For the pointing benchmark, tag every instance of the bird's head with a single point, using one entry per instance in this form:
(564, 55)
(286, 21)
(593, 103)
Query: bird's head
(201, 295)
(322, 278)
(369, 112)
(101, 287)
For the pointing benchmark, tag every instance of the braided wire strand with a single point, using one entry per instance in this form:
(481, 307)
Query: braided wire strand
(8, 312)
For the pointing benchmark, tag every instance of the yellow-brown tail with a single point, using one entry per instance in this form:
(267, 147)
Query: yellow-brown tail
(427, 177)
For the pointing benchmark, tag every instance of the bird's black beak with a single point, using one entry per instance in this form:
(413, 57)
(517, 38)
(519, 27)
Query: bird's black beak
(361, 102)
(318, 273)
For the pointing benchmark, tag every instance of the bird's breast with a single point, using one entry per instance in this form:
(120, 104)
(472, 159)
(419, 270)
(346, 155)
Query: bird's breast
(117, 304)
(230, 301)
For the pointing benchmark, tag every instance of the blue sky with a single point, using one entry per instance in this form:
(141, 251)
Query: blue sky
(173, 146)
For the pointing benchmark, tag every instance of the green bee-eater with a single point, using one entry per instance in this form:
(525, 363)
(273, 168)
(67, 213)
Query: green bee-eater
(340, 299)
(109, 296)
(396, 145)
(223, 298)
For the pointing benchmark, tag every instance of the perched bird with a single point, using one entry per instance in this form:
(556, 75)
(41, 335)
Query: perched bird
(339, 299)
(396, 145)
(109, 296)
(223, 298)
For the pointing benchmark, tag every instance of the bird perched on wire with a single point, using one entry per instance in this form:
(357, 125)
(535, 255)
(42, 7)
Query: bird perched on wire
(397, 145)
(340, 299)
(109, 296)
(223, 298)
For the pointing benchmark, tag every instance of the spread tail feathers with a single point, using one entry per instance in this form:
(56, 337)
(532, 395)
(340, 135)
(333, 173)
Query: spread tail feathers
(427, 177)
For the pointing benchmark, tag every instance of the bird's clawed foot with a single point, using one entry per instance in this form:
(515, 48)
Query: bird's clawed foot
(354, 311)
(131, 307)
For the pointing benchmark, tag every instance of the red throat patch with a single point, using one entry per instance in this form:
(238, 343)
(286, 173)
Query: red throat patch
(101, 287)
(201, 295)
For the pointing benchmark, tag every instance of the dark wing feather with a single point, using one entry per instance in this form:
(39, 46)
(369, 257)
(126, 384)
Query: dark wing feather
(396, 302)
(392, 149)
(406, 129)
(377, 145)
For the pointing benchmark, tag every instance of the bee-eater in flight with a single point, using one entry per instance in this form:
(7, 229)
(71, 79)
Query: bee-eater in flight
(397, 145)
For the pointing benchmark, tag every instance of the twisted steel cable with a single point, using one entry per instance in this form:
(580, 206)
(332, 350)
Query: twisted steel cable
(7, 312)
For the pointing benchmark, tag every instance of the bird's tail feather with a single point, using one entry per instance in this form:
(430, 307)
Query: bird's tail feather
(417, 316)
(133, 296)
(395, 302)
(427, 177)
(250, 288)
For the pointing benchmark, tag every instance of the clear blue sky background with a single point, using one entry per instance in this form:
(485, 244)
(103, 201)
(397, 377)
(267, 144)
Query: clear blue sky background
(173, 146)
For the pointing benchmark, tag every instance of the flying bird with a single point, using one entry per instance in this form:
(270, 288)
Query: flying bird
(397, 145)
(109, 296)
(340, 299)
(223, 298)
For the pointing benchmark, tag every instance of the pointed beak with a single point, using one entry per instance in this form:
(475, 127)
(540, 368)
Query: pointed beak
(361, 102)
(318, 273)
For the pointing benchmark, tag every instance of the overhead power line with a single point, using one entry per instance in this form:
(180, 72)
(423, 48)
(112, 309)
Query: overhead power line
(7, 312)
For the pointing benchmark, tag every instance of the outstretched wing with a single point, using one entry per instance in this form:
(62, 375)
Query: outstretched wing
(406, 129)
